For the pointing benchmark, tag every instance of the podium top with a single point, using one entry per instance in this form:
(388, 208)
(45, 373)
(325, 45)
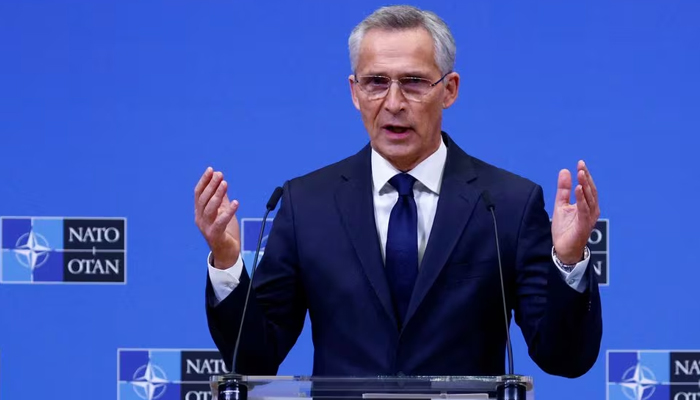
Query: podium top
(379, 387)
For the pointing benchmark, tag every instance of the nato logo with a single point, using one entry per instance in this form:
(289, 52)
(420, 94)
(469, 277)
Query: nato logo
(167, 374)
(62, 250)
(653, 375)
(599, 244)
(250, 233)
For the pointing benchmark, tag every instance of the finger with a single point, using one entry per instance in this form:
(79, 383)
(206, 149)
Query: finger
(584, 211)
(587, 190)
(225, 217)
(591, 193)
(210, 211)
(589, 178)
(563, 188)
(203, 180)
(209, 190)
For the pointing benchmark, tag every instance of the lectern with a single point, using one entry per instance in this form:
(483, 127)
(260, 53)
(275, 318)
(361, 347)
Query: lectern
(242, 387)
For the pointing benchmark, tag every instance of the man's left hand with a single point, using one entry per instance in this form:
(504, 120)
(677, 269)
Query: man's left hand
(572, 223)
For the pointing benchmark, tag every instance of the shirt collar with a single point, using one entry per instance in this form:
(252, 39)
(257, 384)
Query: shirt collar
(428, 172)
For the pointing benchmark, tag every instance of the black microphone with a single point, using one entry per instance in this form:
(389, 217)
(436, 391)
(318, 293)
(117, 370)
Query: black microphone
(271, 204)
(512, 389)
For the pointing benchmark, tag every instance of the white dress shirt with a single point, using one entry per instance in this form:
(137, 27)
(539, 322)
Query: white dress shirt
(426, 191)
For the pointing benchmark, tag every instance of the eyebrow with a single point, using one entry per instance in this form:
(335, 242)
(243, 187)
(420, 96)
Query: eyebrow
(417, 74)
(414, 73)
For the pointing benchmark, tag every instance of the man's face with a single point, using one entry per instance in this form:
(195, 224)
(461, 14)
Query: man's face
(402, 130)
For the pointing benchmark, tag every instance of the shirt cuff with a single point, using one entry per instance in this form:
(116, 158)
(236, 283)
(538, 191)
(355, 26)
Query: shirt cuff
(577, 278)
(223, 281)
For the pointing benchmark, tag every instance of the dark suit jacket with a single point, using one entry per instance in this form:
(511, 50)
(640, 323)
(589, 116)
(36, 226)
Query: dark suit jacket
(323, 256)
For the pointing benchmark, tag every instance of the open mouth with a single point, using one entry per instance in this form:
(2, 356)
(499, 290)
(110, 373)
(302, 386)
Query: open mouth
(398, 129)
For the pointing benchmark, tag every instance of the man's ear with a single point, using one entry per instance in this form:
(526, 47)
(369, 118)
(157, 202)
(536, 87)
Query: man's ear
(451, 89)
(353, 91)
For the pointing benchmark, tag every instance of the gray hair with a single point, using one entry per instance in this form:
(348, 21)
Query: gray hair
(407, 17)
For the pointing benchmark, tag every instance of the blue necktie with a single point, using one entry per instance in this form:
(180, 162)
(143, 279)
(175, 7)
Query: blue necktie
(402, 244)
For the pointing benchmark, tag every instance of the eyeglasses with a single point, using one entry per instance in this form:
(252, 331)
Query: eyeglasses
(413, 88)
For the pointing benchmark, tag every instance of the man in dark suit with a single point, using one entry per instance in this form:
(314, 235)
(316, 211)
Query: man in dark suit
(392, 250)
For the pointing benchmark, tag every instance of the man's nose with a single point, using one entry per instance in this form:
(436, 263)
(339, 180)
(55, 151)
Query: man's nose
(395, 101)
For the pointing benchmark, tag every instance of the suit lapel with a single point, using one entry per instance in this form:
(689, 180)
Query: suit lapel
(356, 207)
(455, 205)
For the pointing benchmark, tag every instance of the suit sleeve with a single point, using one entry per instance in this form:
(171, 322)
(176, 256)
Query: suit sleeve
(276, 309)
(562, 327)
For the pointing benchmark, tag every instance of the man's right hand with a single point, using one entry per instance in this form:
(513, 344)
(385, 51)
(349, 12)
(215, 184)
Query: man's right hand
(216, 218)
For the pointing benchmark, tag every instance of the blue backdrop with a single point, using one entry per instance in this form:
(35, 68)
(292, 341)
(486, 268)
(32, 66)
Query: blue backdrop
(113, 109)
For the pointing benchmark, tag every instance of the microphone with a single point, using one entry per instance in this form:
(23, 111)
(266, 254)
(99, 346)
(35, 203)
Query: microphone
(271, 204)
(512, 389)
